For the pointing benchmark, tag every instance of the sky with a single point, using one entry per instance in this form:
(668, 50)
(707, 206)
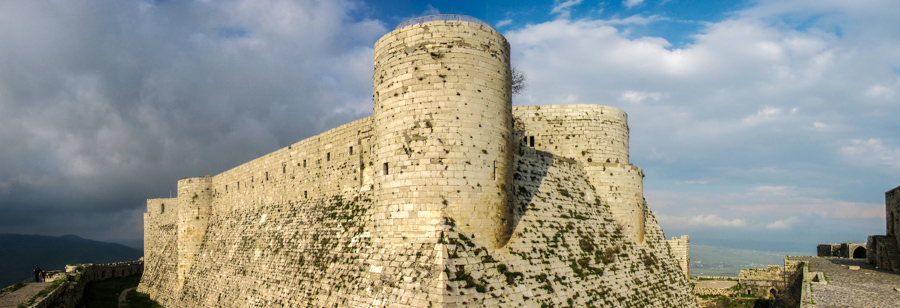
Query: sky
(772, 122)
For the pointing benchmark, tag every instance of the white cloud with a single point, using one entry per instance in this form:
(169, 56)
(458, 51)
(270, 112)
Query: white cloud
(696, 182)
(767, 114)
(783, 224)
(504, 22)
(773, 190)
(880, 92)
(709, 220)
(632, 3)
(871, 153)
(563, 8)
(636, 97)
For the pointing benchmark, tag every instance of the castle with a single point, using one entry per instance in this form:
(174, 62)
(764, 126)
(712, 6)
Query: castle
(445, 196)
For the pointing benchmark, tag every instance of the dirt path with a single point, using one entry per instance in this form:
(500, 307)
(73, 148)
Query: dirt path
(123, 297)
(12, 300)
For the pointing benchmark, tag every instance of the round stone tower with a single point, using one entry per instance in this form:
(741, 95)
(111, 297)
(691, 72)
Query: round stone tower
(443, 126)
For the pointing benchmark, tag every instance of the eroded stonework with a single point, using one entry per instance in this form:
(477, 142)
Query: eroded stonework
(884, 250)
(447, 196)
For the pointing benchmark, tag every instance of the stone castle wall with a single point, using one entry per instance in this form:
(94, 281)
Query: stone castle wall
(444, 130)
(762, 282)
(597, 137)
(681, 249)
(70, 285)
(428, 202)
(884, 250)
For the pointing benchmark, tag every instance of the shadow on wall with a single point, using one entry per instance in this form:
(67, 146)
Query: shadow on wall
(526, 181)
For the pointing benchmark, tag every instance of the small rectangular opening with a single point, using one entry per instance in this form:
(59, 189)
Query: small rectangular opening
(304, 194)
(531, 141)
(304, 163)
(494, 173)
(328, 156)
(351, 150)
(386, 170)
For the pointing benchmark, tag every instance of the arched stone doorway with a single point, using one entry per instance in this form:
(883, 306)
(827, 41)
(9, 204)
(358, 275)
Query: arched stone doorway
(859, 253)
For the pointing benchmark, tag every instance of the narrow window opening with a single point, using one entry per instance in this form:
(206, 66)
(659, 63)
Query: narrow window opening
(162, 208)
(351, 150)
(283, 168)
(494, 173)
(531, 141)
(251, 179)
(239, 185)
(328, 156)
(304, 163)
(267, 175)
(386, 170)
(304, 194)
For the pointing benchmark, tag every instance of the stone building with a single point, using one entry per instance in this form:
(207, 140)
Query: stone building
(445, 196)
(842, 250)
(765, 282)
(883, 249)
(681, 249)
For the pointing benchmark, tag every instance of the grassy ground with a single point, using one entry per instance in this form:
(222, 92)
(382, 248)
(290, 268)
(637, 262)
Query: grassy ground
(105, 294)
(141, 300)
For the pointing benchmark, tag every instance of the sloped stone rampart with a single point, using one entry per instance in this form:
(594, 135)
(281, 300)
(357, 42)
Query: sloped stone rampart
(319, 253)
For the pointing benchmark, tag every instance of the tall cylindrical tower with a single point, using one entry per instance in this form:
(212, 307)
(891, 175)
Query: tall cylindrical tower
(443, 126)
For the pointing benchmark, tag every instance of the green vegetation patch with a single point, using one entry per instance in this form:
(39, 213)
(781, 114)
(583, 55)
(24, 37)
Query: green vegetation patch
(46, 291)
(136, 299)
(13, 288)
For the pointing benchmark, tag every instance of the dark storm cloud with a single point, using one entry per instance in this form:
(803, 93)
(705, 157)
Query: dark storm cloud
(104, 104)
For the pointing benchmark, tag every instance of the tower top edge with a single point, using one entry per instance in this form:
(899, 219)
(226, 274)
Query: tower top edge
(569, 106)
(443, 17)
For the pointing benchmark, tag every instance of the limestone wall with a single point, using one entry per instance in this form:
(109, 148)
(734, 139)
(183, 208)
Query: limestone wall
(581, 132)
(892, 213)
(596, 136)
(71, 284)
(429, 202)
(761, 282)
(320, 252)
(680, 248)
(324, 165)
(160, 247)
(444, 130)
(884, 250)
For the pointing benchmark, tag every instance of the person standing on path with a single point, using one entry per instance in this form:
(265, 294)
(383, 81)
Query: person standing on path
(37, 273)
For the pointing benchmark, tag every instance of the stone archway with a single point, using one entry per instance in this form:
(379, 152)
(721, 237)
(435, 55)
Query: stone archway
(772, 293)
(859, 253)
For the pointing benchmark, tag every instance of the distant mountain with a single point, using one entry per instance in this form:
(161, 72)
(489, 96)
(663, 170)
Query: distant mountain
(20, 253)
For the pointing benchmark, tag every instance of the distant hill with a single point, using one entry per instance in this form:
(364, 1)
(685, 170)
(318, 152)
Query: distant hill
(20, 253)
